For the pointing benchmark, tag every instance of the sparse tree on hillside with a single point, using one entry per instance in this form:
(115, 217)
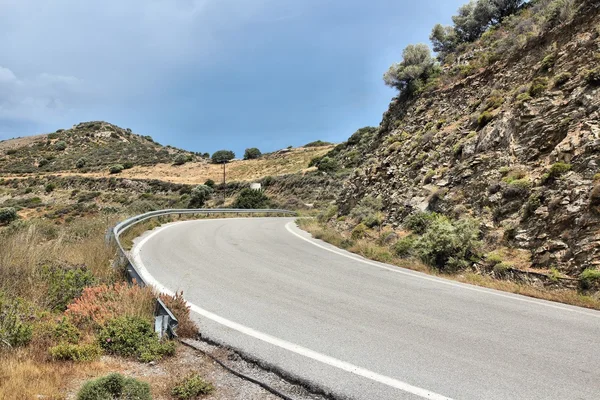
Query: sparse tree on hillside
(443, 39)
(412, 72)
(252, 153)
(200, 194)
(222, 156)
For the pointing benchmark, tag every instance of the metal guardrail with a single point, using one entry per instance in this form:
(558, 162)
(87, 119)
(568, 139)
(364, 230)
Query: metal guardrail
(165, 322)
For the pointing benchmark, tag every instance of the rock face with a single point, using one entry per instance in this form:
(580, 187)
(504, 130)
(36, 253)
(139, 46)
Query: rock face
(523, 162)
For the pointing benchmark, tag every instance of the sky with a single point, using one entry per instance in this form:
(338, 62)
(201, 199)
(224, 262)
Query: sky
(206, 75)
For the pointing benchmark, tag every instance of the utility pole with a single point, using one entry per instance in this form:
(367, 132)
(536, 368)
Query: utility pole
(225, 162)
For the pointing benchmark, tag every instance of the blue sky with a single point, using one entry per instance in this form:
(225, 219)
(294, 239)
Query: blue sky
(206, 74)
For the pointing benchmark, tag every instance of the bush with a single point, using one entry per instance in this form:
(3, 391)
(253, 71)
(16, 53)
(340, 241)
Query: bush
(419, 222)
(116, 169)
(592, 77)
(359, 231)
(50, 188)
(8, 215)
(250, 198)
(449, 245)
(327, 164)
(81, 163)
(405, 246)
(60, 146)
(413, 72)
(548, 62)
(191, 387)
(65, 285)
(318, 143)
(368, 211)
(222, 156)
(595, 196)
(538, 86)
(180, 159)
(114, 386)
(65, 332)
(484, 118)
(186, 328)
(555, 171)
(133, 337)
(252, 153)
(210, 183)
(199, 195)
(127, 165)
(327, 214)
(15, 328)
(75, 352)
(43, 162)
(562, 78)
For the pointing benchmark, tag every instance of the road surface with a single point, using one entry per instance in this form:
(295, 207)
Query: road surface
(365, 330)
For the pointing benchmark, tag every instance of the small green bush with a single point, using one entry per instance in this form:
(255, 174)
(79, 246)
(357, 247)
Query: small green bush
(502, 268)
(368, 211)
(548, 62)
(75, 352)
(484, 118)
(210, 183)
(589, 278)
(555, 171)
(449, 245)
(494, 101)
(199, 196)
(8, 215)
(65, 285)
(65, 332)
(359, 231)
(250, 198)
(592, 77)
(405, 246)
(318, 143)
(419, 222)
(538, 86)
(127, 165)
(133, 337)
(116, 169)
(15, 328)
(43, 162)
(327, 164)
(180, 159)
(562, 78)
(328, 213)
(114, 386)
(81, 163)
(60, 146)
(49, 188)
(523, 97)
(191, 387)
(252, 153)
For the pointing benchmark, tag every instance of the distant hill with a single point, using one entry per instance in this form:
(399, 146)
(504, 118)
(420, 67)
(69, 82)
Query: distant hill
(88, 146)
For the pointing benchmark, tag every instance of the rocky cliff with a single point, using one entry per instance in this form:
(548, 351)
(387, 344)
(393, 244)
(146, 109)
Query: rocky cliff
(513, 141)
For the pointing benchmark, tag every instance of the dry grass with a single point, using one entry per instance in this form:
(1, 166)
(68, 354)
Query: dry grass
(276, 164)
(369, 249)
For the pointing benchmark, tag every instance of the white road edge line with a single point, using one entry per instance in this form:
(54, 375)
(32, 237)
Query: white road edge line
(398, 270)
(303, 351)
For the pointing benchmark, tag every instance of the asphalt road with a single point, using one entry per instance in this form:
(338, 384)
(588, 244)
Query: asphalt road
(364, 330)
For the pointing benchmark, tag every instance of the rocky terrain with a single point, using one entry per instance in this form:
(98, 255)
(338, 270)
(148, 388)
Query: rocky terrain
(514, 143)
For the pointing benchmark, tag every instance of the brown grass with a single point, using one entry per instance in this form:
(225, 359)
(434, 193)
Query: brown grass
(369, 249)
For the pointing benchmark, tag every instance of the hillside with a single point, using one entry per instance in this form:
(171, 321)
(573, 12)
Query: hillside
(95, 145)
(507, 132)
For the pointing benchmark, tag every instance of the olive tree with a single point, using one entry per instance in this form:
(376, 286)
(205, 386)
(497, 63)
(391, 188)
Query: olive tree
(222, 156)
(199, 195)
(416, 67)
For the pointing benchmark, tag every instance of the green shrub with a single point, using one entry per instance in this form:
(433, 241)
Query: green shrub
(589, 278)
(414, 71)
(15, 328)
(60, 146)
(449, 245)
(65, 285)
(359, 231)
(555, 171)
(199, 196)
(65, 332)
(595, 196)
(419, 222)
(127, 165)
(250, 198)
(50, 188)
(405, 246)
(210, 183)
(222, 156)
(75, 352)
(252, 153)
(502, 268)
(180, 159)
(538, 86)
(191, 387)
(592, 77)
(368, 211)
(43, 162)
(328, 213)
(494, 101)
(327, 164)
(81, 163)
(548, 62)
(484, 118)
(8, 215)
(116, 169)
(318, 143)
(133, 337)
(562, 78)
(114, 386)
(523, 97)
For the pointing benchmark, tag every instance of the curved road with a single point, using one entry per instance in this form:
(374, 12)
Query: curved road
(364, 330)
